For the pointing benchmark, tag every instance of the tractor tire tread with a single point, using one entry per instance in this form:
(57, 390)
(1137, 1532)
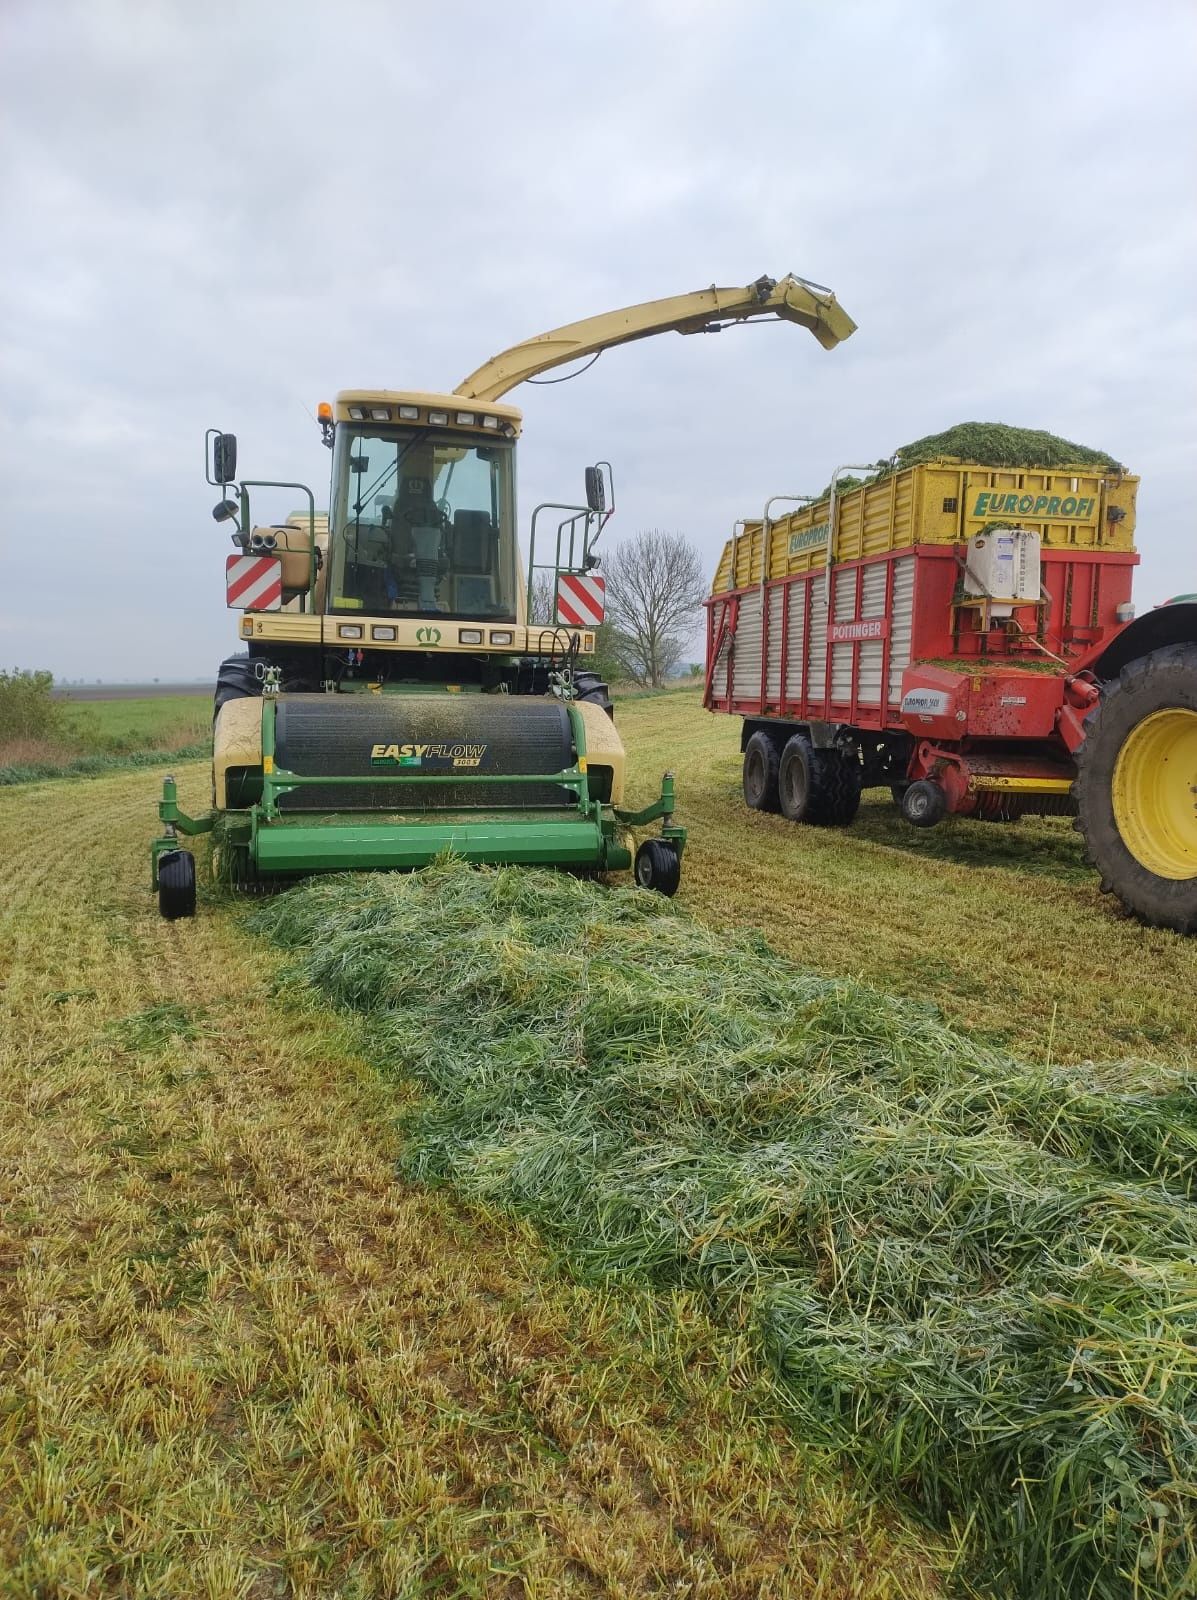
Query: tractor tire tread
(235, 680)
(590, 686)
(1162, 678)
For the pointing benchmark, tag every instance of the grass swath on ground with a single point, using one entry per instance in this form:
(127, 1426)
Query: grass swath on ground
(1003, 927)
(216, 1290)
(977, 1278)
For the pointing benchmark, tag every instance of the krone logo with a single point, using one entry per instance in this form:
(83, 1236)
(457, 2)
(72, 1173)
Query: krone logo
(428, 635)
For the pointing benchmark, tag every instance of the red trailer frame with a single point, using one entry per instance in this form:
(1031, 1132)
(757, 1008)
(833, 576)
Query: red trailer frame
(884, 654)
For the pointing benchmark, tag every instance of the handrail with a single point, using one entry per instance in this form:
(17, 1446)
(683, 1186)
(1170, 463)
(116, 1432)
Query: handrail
(246, 484)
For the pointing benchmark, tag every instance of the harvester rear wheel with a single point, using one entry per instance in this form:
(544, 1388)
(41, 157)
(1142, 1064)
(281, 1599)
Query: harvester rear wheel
(762, 762)
(1136, 788)
(821, 787)
(176, 884)
(658, 866)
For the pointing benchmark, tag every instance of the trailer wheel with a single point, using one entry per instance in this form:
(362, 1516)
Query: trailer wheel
(176, 884)
(762, 763)
(658, 866)
(1136, 788)
(845, 777)
(821, 787)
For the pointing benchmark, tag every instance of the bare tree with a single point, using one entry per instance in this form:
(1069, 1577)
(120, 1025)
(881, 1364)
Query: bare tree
(544, 599)
(655, 584)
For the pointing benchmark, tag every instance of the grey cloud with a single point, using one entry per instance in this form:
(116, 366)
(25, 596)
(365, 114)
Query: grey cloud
(222, 215)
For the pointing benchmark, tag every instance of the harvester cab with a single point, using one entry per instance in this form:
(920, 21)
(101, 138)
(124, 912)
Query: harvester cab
(405, 689)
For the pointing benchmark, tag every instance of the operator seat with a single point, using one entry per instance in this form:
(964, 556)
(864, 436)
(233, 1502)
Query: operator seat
(417, 537)
(473, 552)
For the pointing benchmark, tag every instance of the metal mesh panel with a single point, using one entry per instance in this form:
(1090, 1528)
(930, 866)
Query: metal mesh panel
(901, 625)
(746, 667)
(424, 734)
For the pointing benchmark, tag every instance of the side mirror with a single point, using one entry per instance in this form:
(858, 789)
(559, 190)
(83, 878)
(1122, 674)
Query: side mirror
(224, 457)
(596, 493)
(226, 511)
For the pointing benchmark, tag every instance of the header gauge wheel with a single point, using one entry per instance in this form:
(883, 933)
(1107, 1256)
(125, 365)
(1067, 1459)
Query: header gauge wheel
(658, 867)
(1136, 788)
(176, 884)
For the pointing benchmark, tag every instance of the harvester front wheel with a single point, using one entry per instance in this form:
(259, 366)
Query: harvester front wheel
(1136, 788)
(235, 680)
(176, 884)
(821, 787)
(658, 866)
(762, 763)
(589, 686)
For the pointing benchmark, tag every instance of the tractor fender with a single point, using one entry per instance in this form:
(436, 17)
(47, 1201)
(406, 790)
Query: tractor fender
(1173, 623)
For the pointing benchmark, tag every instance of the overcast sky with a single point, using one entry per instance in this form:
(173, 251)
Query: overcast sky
(221, 214)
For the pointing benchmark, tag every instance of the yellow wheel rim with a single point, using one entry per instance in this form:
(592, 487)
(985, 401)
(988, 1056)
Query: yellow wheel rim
(1155, 793)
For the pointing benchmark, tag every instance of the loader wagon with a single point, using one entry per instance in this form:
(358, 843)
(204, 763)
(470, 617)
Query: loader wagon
(964, 634)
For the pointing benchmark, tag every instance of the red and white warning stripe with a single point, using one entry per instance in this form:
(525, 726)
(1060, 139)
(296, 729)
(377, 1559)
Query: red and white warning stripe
(253, 583)
(581, 599)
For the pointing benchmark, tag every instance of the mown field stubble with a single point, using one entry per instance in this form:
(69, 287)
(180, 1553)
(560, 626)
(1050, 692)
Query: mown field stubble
(239, 1357)
(242, 1357)
(1002, 927)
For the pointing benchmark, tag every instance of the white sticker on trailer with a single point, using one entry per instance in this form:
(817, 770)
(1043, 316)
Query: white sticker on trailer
(925, 702)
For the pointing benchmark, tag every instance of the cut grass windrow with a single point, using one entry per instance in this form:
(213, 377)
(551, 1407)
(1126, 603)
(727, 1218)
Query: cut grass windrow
(96, 765)
(977, 1278)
